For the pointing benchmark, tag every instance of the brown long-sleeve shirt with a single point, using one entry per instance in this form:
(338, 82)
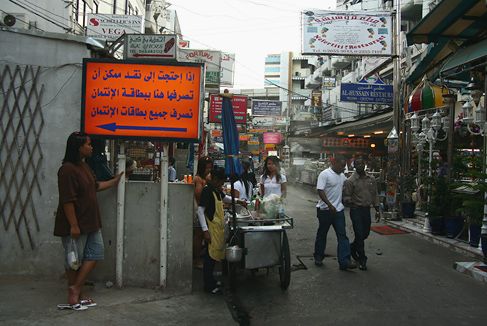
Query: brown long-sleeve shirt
(360, 191)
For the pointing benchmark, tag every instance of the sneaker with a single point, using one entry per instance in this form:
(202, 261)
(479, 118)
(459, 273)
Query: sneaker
(318, 263)
(350, 265)
(362, 267)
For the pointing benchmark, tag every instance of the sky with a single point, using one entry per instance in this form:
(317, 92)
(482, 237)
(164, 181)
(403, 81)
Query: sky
(249, 28)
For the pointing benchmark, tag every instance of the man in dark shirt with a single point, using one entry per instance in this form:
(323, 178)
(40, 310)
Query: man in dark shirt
(360, 193)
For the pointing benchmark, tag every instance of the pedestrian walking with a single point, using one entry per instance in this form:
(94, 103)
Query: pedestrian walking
(78, 219)
(330, 211)
(360, 193)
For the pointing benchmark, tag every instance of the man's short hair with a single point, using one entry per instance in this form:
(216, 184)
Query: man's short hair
(218, 173)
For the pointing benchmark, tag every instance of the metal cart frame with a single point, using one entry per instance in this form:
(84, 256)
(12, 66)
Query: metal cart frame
(265, 244)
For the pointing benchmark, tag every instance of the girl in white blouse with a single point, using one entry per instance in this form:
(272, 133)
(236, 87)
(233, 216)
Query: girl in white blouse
(243, 188)
(272, 181)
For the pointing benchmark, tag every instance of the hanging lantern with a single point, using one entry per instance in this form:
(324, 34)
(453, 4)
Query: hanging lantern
(415, 123)
(479, 115)
(436, 121)
(467, 112)
(426, 96)
(446, 123)
(425, 124)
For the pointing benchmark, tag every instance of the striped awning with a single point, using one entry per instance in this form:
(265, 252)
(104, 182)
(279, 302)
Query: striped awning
(454, 19)
(425, 96)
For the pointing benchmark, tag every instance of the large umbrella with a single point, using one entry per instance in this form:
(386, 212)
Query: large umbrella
(233, 167)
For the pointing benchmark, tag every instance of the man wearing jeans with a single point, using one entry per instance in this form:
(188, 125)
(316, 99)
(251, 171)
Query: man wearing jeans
(360, 193)
(330, 212)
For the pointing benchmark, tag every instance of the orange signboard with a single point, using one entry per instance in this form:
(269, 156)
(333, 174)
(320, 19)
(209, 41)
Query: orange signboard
(143, 100)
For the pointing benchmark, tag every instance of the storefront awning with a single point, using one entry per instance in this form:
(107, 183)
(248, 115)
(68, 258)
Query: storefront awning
(436, 54)
(463, 58)
(454, 19)
(363, 126)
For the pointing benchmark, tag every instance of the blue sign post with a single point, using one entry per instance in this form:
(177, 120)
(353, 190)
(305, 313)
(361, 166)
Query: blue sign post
(363, 92)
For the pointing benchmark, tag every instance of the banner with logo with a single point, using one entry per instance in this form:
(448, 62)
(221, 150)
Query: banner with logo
(227, 69)
(212, 60)
(111, 27)
(346, 32)
(372, 91)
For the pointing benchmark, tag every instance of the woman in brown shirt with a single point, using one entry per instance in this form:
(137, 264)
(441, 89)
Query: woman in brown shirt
(78, 215)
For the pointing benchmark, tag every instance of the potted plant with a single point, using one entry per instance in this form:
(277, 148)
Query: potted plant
(438, 196)
(471, 194)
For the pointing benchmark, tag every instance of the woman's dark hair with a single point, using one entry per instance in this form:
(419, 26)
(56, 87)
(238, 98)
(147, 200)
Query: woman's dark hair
(202, 162)
(275, 160)
(74, 143)
(245, 179)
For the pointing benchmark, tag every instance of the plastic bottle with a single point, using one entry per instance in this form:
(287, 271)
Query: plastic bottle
(190, 178)
(185, 178)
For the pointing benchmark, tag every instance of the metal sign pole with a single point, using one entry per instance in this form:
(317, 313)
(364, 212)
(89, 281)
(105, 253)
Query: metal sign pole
(120, 217)
(163, 216)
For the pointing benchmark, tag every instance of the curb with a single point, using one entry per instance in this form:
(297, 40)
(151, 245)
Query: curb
(455, 245)
(470, 269)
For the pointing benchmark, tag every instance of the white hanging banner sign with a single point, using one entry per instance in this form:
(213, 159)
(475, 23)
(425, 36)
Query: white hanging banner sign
(346, 33)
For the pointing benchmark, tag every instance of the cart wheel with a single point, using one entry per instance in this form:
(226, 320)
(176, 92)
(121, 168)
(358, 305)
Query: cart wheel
(285, 268)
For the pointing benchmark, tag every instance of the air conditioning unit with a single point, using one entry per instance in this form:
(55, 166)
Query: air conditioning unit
(15, 20)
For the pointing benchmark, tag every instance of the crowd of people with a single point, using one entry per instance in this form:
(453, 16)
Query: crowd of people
(78, 220)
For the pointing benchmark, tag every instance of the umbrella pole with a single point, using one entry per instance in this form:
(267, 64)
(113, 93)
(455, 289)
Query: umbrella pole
(234, 213)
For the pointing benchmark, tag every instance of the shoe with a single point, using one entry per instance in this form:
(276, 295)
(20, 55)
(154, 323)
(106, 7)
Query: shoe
(362, 267)
(216, 290)
(318, 263)
(350, 265)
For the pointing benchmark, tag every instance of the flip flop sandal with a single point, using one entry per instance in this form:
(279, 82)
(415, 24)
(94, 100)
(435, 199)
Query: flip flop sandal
(88, 302)
(77, 306)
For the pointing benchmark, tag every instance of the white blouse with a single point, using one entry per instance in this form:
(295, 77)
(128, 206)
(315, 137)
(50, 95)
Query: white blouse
(240, 187)
(271, 186)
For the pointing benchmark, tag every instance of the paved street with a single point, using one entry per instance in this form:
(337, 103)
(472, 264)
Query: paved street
(411, 282)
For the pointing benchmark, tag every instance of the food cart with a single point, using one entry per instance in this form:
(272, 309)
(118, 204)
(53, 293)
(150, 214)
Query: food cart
(258, 243)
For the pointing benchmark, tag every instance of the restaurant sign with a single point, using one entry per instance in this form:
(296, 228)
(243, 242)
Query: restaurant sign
(366, 92)
(346, 32)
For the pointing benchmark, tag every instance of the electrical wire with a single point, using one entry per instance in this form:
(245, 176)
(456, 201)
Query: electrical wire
(37, 14)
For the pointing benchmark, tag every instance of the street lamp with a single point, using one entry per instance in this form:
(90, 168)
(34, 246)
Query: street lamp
(430, 129)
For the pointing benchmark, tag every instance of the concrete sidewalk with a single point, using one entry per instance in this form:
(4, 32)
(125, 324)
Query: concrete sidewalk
(29, 301)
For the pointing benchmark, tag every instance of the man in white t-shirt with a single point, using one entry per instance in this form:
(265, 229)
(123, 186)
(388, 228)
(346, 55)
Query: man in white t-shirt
(330, 211)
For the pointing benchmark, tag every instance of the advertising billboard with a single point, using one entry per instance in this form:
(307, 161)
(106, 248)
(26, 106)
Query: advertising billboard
(150, 46)
(263, 107)
(111, 27)
(272, 138)
(211, 59)
(346, 33)
(239, 105)
(123, 99)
